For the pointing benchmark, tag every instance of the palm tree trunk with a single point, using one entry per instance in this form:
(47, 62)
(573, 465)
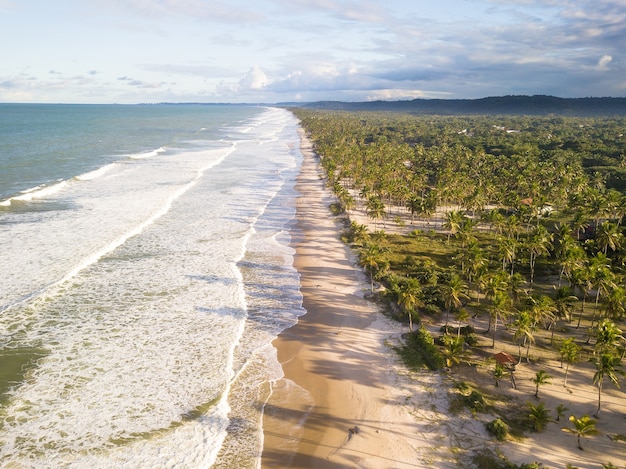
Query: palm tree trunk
(582, 309)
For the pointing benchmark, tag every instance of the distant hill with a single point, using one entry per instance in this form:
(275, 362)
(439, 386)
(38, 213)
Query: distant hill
(516, 105)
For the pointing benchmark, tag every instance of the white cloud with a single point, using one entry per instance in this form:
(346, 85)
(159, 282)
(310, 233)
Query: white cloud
(603, 63)
(255, 79)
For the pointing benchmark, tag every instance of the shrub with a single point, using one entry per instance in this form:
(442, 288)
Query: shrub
(498, 428)
(471, 340)
(475, 401)
(447, 330)
(423, 343)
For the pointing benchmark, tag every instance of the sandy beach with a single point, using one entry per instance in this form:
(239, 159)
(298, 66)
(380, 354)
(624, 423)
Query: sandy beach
(340, 403)
(347, 401)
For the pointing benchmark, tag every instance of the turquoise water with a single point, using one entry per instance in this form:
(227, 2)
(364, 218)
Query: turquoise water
(147, 268)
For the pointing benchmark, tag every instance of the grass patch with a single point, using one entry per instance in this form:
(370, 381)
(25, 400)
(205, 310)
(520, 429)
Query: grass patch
(421, 352)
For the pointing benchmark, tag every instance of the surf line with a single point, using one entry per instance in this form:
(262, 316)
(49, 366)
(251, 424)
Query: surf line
(52, 289)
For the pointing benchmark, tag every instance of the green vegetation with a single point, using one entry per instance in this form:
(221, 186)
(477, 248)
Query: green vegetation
(485, 459)
(582, 427)
(421, 351)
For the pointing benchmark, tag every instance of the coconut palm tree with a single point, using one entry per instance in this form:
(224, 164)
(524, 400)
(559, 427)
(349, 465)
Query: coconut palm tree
(498, 373)
(569, 351)
(615, 305)
(584, 426)
(473, 261)
(579, 223)
(453, 349)
(507, 252)
(409, 298)
(500, 308)
(540, 378)
(560, 411)
(581, 279)
(542, 310)
(492, 284)
(372, 259)
(461, 316)
(375, 209)
(607, 365)
(538, 244)
(358, 233)
(454, 220)
(608, 337)
(564, 300)
(609, 236)
(569, 256)
(524, 332)
(602, 279)
(414, 205)
(465, 231)
(539, 416)
(453, 293)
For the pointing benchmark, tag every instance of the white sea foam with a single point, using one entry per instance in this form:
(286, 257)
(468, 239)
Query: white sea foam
(148, 154)
(36, 193)
(96, 173)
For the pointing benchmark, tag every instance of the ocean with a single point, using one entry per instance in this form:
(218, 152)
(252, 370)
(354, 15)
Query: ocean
(146, 268)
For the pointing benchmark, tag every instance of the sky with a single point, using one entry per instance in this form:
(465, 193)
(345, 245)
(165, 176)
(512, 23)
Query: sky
(270, 51)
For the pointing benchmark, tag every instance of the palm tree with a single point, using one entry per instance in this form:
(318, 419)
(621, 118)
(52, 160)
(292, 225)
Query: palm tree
(608, 337)
(615, 306)
(461, 316)
(542, 309)
(569, 353)
(499, 308)
(538, 244)
(583, 426)
(409, 297)
(358, 233)
(414, 205)
(465, 231)
(607, 365)
(453, 222)
(602, 278)
(564, 300)
(609, 235)
(453, 349)
(512, 226)
(372, 259)
(579, 223)
(560, 411)
(524, 330)
(375, 209)
(473, 261)
(539, 416)
(507, 251)
(493, 283)
(569, 256)
(581, 279)
(541, 378)
(498, 373)
(453, 292)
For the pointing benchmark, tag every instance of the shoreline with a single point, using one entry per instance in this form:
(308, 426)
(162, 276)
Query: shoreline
(336, 405)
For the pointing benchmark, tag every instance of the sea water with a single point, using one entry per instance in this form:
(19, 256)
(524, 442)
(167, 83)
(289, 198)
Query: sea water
(146, 268)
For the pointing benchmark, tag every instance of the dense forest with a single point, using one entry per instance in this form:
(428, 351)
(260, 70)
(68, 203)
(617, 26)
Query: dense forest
(515, 219)
(496, 105)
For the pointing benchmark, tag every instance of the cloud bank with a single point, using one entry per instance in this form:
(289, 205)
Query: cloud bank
(306, 50)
